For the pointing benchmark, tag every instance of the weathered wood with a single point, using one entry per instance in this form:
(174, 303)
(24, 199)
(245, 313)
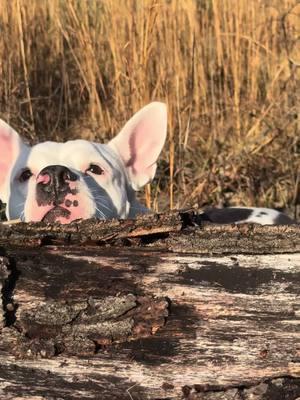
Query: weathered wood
(140, 323)
(157, 318)
(74, 378)
(174, 231)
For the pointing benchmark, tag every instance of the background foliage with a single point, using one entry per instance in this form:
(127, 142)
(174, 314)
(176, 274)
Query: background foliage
(229, 71)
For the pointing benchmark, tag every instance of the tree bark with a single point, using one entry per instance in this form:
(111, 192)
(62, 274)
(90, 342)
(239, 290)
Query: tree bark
(175, 231)
(150, 319)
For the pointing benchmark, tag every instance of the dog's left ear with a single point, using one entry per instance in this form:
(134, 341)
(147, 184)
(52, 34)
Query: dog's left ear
(10, 148)
(140, 142)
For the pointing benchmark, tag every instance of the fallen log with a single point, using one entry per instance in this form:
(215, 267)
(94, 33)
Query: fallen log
(182, 231)
(157, 308)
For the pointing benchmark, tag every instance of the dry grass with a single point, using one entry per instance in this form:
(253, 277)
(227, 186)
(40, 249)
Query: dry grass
(228, 70)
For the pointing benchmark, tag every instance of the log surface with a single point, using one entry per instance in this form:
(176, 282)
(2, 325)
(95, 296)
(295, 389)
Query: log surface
(175, 231)
(148, 320)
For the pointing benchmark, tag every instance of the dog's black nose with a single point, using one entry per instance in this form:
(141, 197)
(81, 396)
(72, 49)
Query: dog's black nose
(53, 184)
(57, 175)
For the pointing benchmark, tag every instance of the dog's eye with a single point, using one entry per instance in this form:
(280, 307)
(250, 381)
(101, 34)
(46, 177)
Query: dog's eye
(95, 169)
(25, 175)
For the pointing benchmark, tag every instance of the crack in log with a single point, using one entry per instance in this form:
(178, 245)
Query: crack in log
(8, 276)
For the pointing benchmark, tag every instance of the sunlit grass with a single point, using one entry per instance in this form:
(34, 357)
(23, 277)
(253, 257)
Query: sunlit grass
(228, 70)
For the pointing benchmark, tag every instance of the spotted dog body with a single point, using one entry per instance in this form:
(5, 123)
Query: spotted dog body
(63, 182)
(237, 215)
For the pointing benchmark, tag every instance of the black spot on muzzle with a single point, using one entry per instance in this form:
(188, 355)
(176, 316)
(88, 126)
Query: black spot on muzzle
(56, 186)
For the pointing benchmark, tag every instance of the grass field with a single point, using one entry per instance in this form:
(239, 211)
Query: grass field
(229, 71)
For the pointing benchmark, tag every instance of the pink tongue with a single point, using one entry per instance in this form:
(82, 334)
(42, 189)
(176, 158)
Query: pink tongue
(56, 213)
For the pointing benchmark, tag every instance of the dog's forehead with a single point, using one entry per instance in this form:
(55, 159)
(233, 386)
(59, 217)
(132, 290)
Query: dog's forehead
(73, 153)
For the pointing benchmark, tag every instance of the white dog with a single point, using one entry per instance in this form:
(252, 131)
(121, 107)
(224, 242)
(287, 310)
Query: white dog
(79, 179)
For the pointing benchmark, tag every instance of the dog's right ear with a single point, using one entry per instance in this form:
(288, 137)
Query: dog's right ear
(10, 148)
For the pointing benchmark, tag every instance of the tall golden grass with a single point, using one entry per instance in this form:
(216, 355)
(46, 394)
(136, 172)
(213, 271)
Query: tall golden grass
(228, 70)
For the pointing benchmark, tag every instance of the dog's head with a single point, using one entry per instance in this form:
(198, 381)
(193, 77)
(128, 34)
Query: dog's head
(79, 179)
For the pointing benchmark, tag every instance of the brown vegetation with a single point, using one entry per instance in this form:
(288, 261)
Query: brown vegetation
(228, 70)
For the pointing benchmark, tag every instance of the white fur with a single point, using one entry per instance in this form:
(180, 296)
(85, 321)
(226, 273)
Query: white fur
(269, 218)
(261, 215)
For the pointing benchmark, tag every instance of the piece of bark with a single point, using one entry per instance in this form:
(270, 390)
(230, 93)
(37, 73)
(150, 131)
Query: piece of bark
(175, 231)
(233, 323)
